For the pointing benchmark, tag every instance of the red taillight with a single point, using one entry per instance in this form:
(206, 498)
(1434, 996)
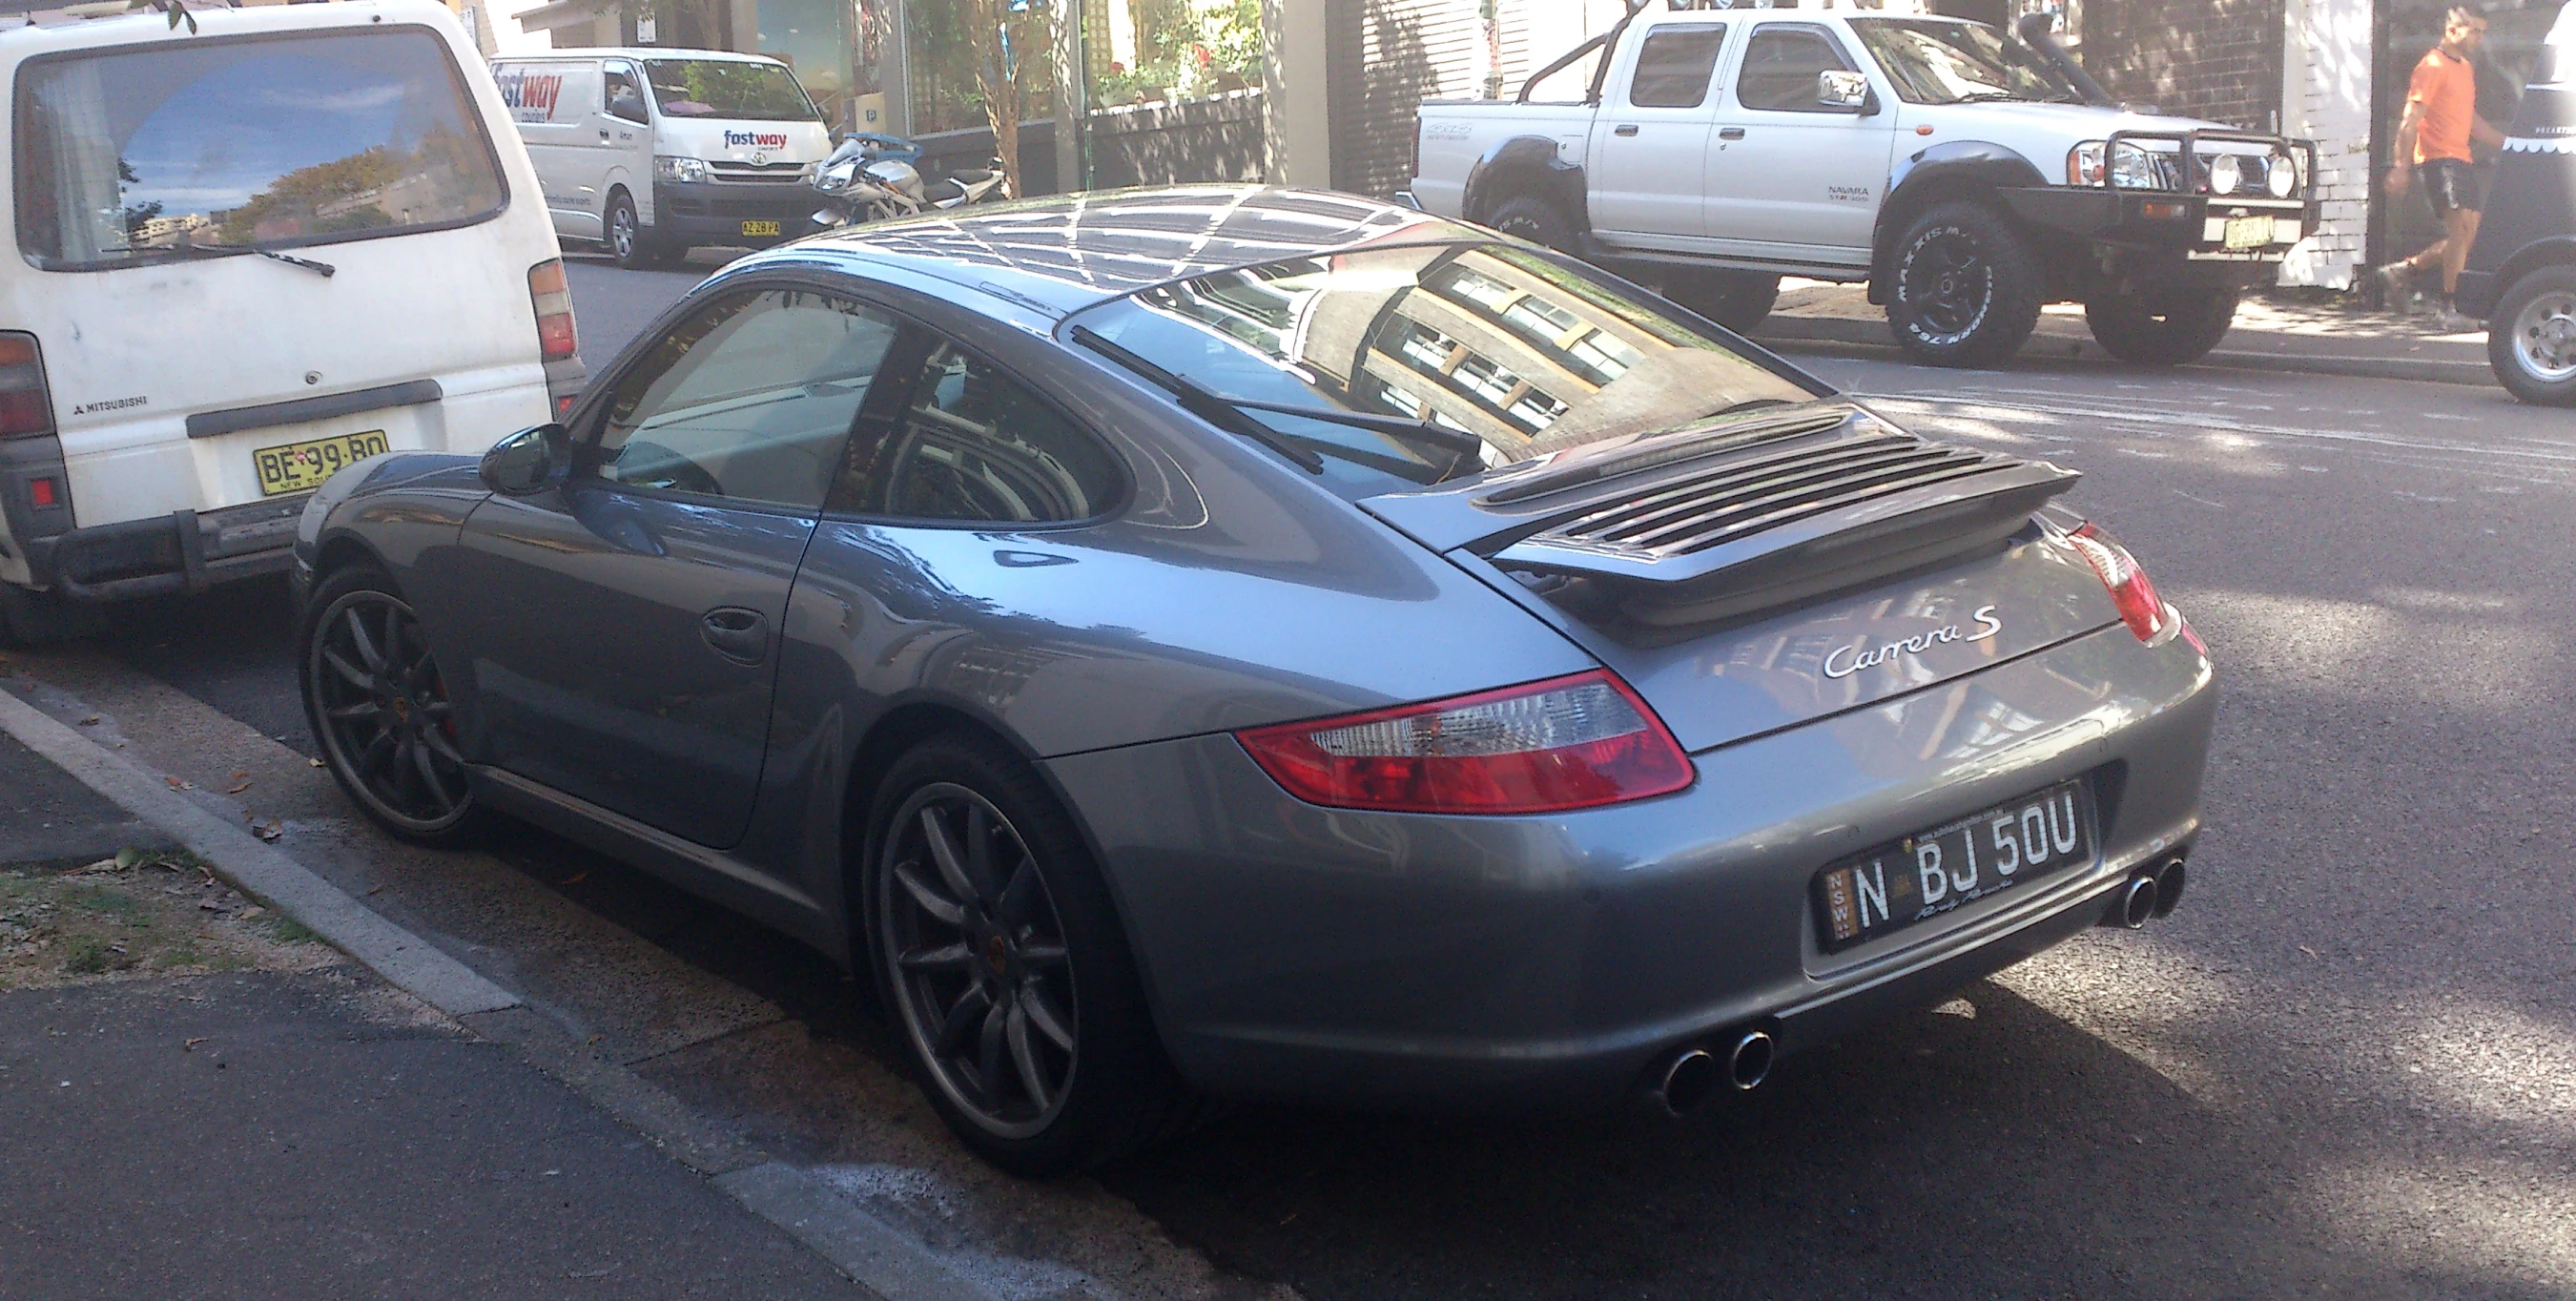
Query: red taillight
(24, 408)
(43, 492)
(2131, 590)
(1566, 743)
(552, 295)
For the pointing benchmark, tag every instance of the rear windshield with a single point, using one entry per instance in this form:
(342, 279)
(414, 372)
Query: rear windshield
(761, 92)
(146, 153)
(1490, 340)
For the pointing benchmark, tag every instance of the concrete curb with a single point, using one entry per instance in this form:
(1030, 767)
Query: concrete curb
(1852, 332)
(409, 962)
(883, 1261)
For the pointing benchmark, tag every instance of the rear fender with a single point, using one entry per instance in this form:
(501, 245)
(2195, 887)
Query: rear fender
(1949, 170)
(2479, 294)
(1526, 165)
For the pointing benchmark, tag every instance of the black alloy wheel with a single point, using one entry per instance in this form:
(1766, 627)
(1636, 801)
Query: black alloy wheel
(983, 980)
(1966, 291)
(379, 706)
(1000, 957)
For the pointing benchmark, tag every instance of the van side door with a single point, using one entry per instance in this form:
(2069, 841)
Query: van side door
(1650, 136)
(625, 127)
(550, 103)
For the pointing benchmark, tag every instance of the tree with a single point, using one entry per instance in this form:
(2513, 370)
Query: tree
(1013, 43)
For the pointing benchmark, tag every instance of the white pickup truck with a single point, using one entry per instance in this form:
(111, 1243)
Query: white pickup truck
(1968, 177)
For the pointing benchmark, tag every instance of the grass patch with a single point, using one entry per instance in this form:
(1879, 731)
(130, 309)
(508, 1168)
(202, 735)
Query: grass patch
(287, 930)
(183, 955)
(87, 955)
(104, 903)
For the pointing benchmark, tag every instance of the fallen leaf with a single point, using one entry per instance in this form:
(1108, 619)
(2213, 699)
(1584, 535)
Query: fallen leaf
(316, 763)
(272, 831)
(253, 911)
(575, 879)
(2306, 950)
(373, 888)
(91, 721)
(129, 856)
(191, 1045)
(178, 785)
(236, 790)
(237, 776)
(209, 905)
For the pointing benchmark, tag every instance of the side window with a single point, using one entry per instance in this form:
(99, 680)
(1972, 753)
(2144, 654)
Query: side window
(974, 446)
(751, 399)
(1780, 68)
(625, 94)
(1673, 68)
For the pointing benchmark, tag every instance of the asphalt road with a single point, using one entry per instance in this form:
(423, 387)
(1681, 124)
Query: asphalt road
(2346, 1067)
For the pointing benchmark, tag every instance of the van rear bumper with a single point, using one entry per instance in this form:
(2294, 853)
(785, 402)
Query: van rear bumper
(186, 551)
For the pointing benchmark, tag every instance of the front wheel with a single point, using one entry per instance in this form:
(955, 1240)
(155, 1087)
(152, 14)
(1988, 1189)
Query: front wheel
(378, 703)
(2168, 330)
(2531, 339)
(999, 953)
(1966, 287)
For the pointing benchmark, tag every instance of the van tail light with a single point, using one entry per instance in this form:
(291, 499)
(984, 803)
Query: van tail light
(24, 407)
(1566, 743)
(552, 295)
(2146, 613)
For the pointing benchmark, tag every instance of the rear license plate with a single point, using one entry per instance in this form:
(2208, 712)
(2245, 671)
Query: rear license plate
(301, 467)
(2248, 232)
(760, 228)
(1929, 873)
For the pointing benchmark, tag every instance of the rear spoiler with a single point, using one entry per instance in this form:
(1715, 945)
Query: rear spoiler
(1758, 516)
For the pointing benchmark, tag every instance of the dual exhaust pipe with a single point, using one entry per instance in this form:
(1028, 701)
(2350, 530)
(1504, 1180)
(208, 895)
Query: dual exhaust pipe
(2151, 893)
(1739, 1060)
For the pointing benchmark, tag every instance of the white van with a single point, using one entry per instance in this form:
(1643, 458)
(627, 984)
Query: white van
(652, 152)
(248, 256)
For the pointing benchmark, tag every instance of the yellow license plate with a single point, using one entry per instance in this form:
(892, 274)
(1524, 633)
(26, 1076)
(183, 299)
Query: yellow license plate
(301, 467)
(2249, 232)
(760, 228)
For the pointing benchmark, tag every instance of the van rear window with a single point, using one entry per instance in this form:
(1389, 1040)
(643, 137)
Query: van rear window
(163, 151)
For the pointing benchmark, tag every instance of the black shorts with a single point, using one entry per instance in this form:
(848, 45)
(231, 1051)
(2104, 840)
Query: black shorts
(2450, 184)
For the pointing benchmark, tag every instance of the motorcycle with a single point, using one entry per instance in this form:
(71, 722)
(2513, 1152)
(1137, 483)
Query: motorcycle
(874, 177)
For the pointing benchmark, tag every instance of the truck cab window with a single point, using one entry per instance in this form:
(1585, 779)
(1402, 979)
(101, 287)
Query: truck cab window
(1673, 68)
(1780, 68)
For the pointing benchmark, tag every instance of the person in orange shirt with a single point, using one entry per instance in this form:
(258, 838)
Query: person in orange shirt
(2440, 123)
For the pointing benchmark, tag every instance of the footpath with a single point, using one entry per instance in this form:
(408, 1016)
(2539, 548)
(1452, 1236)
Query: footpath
(2277, 332)
(204, 1100)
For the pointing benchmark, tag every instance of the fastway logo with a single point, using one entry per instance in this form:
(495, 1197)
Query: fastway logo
(531, 95)
(756, 139)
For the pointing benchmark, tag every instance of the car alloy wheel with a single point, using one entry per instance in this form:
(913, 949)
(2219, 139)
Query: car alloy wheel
(383, 713)
(2544, 337)
(1949, 283)
(621, 233)
(979, 967)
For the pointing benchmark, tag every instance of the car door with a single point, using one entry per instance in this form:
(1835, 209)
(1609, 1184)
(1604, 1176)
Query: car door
(1649, 140)
(1790, 178)
(553, 103)
(625, 144)
(623, 643)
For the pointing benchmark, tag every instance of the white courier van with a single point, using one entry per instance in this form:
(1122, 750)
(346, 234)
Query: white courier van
(247, 257)
(652, 152)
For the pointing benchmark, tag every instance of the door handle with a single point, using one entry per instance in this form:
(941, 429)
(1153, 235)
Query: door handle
(737, 634)
(1730, 133)
(1624, 129)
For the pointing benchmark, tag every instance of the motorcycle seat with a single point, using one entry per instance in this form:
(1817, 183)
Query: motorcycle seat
(971, 175)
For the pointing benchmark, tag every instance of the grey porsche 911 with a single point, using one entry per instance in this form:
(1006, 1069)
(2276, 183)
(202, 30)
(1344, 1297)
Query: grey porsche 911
(1228, 641)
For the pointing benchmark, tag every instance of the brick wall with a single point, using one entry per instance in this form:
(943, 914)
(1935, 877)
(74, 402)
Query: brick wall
(2216, 59)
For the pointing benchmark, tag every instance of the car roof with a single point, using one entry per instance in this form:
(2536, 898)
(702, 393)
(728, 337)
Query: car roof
(564, 52)
(1063, 253)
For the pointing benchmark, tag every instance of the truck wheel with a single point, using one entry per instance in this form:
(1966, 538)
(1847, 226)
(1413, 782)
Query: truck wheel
(2531, 339)
(1966, 289)
(2163, 331)
(1534, 219)
(1738, 300)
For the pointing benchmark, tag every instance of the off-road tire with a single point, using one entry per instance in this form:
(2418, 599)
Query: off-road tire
(1738, 300)
(30, 619)
(1121, 1093)
(2167, 330)
(1980, 314)
(1534, 219)
(2517, 354)
(371, 590)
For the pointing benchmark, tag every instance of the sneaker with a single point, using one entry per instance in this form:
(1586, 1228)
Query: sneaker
(2396, 280)
(2448, 320)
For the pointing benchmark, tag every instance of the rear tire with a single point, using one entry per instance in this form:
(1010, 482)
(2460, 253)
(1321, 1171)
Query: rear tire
(1966, 288)
(2165, 331)
(1004, 969)
(1534, 219)
(1738, 300)
(2531, 339)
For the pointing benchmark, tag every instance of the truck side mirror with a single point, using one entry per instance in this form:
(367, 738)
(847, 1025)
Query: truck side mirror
(1849, 91)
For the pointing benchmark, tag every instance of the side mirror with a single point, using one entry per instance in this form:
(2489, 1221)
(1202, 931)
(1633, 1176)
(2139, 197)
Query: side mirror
(528, 462)
(1836, 88)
